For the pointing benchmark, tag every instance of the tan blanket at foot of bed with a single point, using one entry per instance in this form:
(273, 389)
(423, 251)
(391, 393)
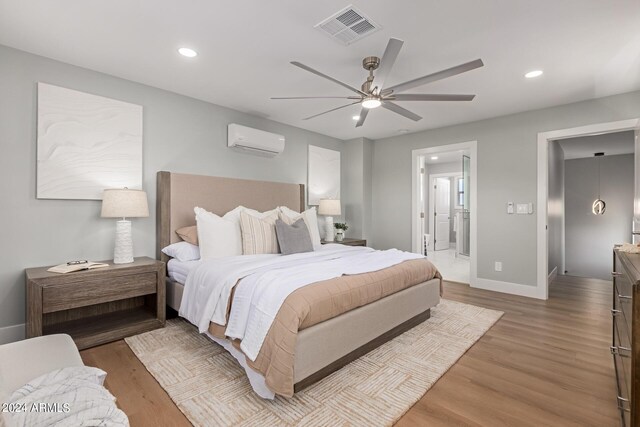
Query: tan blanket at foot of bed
(321, 301)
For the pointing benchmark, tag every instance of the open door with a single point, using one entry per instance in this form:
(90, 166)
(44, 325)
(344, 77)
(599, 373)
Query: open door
(442, 210)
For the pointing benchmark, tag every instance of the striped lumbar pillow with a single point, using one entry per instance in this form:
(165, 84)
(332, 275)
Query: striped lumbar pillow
(259, 234)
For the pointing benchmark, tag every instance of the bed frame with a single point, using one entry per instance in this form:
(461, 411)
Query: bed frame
(322, 348)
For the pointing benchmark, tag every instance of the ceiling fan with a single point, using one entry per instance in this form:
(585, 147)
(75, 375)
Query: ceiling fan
(372, 96)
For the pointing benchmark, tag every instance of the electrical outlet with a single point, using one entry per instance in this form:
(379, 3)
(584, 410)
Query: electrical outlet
(498, 266)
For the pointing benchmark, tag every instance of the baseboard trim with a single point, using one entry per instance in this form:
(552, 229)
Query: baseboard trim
(12, 333)
(552, 275)
(508, 288)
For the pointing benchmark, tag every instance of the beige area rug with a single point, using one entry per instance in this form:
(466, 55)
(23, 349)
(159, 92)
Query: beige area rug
(211, 388)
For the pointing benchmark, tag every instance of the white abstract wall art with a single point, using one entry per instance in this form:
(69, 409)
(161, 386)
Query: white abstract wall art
(86, 143)
(324, 174)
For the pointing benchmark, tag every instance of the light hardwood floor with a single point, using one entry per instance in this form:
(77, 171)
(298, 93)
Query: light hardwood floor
(545, 363)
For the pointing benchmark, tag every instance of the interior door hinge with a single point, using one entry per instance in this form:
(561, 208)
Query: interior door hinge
(421, 214)
(422, 171)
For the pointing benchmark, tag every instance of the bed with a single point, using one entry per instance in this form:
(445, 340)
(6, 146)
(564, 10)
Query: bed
(319, 349)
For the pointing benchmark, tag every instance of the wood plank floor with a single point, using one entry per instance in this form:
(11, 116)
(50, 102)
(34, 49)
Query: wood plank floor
(545, 363)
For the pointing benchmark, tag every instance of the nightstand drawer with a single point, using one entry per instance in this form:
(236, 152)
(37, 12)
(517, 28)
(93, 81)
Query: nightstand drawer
(66, 296)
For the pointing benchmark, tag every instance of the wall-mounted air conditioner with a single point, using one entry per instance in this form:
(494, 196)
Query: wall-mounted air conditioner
(254, 141)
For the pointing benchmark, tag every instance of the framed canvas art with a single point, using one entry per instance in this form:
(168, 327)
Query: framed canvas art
(86, 143)
(324, 175)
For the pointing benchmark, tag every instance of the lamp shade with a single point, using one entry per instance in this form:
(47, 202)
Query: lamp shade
(124, 203)
(329, 207)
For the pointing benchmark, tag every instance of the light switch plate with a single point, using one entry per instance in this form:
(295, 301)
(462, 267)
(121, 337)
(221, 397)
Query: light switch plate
(509, 208)
(522, 208)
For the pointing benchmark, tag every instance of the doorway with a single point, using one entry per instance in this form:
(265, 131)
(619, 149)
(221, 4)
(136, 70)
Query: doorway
(444, 218)
(547, 209)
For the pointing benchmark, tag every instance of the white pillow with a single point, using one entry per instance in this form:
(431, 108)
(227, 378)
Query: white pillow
(218, 236)
(234, 215)
(182, 251)
(310, 217)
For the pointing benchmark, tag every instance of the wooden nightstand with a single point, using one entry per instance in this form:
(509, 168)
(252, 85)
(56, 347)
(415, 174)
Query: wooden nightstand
(349, 242)
(97, 306)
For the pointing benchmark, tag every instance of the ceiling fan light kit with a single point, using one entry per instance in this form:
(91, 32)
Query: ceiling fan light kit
(371, 102)
(373, 93)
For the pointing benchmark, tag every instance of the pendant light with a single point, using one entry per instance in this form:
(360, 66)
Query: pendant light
(599, 206)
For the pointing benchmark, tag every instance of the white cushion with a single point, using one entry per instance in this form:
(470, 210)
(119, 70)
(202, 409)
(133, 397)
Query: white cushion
(219, 236)
(182, 251)
(310, 217)
(25, 360)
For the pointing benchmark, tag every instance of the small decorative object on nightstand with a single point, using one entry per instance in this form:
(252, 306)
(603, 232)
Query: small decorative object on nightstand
(97, 306)
(349, 242)
(124, 203)
(329, 207)
(341, 229)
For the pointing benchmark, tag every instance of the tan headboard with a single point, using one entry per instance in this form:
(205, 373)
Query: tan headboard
(179, 193)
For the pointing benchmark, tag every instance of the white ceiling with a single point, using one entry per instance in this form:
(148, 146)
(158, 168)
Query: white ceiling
(587, 49)
(611, 144)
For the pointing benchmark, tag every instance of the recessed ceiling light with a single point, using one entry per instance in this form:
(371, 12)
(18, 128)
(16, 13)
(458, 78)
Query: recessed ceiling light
(189, 53)
(533, 74)
(434, 157)
(356, 117)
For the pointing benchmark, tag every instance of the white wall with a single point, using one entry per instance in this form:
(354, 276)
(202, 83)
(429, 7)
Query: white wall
(556, 207)
(357, 165)
(590, 238)
(507, 171)
(181, 134)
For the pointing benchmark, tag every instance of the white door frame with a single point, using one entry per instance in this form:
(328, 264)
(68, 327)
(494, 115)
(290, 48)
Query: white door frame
(543, 182)
(416, 165)
(432, 177)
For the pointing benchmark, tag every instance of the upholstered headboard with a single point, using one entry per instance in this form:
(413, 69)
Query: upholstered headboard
(179, 193)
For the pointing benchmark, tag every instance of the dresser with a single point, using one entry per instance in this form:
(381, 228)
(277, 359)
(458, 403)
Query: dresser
(625, 346)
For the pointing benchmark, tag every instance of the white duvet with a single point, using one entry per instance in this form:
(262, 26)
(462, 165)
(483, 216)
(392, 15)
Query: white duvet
(266, 282)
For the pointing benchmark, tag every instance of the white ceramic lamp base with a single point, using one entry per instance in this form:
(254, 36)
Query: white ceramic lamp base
(329, 234)
(123, 252)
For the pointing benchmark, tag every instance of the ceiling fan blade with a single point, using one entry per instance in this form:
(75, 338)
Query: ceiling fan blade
(316, 97)
(402, 111)
(333, 109)
(363, 117)
(318, 73)
(449, 72)
(431, 97)
(388, 59)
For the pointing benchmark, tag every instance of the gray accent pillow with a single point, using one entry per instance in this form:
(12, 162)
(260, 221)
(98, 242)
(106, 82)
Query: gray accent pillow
(294, 238)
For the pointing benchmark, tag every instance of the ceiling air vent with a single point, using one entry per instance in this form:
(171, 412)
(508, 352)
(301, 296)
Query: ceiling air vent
(348, 26)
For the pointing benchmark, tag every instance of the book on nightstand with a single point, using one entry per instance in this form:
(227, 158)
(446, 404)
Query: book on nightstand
(69, 267)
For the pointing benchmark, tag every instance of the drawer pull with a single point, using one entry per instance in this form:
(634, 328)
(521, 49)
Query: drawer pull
(627, 297)
(616, 274)
(621, 402)
(617, 350)
(615, 312)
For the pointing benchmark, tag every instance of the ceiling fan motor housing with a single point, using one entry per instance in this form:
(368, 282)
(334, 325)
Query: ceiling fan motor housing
(371, 63)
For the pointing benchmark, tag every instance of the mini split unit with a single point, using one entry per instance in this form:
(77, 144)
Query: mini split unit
(254, 141)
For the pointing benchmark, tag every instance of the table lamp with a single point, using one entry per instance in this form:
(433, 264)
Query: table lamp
(124, 203)
(329, 207)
